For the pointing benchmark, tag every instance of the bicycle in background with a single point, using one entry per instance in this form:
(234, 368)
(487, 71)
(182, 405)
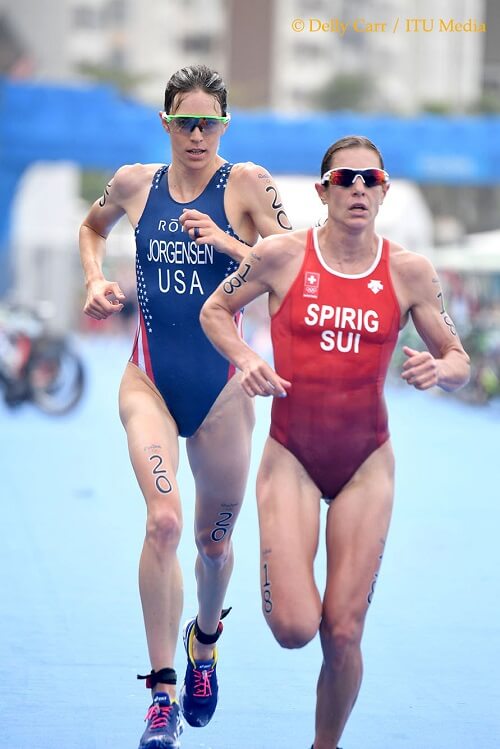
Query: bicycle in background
(37, 366)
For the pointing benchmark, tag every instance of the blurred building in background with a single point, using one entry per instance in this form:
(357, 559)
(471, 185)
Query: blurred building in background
(134, 45)
(369, 65)
(266, 63)
(491, 68)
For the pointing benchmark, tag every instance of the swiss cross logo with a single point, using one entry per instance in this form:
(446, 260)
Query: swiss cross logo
(375, 286)
(311, 285)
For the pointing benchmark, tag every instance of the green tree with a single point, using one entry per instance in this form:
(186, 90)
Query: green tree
(488, 103)
(124, 81)
(347, 91)
(438, 107)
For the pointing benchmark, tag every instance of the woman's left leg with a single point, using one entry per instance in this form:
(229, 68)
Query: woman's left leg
(357, 525)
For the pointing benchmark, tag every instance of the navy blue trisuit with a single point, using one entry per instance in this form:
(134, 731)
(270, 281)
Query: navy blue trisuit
(175, 276)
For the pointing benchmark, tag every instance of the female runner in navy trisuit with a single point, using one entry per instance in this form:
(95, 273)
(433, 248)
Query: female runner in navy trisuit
(193, 221)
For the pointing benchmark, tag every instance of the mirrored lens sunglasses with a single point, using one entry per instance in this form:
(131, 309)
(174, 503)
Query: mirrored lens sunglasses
(187, 123)
(345, 176)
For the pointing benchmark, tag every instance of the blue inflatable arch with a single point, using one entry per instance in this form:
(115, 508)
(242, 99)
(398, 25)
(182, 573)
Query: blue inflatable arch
(98, 128)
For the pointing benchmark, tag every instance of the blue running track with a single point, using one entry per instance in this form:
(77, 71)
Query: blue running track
(71, 633)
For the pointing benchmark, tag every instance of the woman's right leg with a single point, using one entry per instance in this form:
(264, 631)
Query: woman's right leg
(153, 447)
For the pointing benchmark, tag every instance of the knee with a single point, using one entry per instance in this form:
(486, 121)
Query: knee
(340, 639)
(163, 529)
(292, 634)
(214, 554)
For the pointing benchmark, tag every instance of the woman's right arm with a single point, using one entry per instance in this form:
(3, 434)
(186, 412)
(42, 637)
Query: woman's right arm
(253, 278)
(104, 297)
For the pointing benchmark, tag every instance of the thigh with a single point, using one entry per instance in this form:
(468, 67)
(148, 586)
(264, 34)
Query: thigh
(356, 530)
(152, 439)
(219, 456)
(288, 505)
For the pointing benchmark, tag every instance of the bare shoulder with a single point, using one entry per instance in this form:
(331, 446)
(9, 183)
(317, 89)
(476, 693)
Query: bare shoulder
(413, 276)
(131, 179)
(410, 267)
(255, 195)
(278, 250)
(273, 262)
(247, 173)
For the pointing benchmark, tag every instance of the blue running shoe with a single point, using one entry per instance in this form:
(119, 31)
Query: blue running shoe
(198, 694)
(164, 724)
